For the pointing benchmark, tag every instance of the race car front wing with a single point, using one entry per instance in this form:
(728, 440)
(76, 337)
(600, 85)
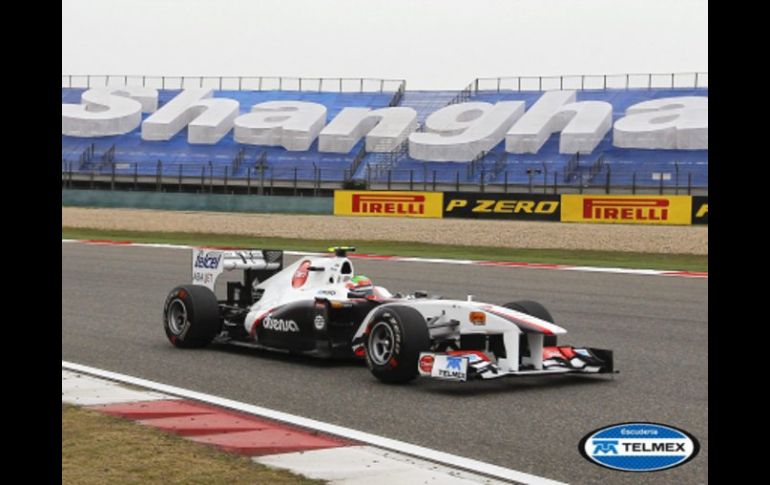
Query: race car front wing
(463, 365)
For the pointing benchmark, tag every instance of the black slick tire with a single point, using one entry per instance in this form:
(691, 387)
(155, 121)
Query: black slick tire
(191, 316)
(395, 337)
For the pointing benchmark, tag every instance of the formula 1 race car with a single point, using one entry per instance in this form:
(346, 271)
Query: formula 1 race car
(320, 306)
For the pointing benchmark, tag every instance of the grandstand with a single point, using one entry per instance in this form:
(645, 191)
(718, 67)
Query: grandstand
(231, 166)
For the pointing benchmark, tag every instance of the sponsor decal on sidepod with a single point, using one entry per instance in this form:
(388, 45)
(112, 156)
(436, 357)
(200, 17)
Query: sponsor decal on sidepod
(280, 325)
(639, 447)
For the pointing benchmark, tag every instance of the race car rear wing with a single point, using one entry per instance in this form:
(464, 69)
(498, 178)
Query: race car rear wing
(257, 264)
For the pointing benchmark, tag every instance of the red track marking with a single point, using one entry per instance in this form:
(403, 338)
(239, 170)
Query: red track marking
(203, 424)
(521, 264)
(154, 409)
(278, 439)
(232, 431)
(691, 274)
(109, 242)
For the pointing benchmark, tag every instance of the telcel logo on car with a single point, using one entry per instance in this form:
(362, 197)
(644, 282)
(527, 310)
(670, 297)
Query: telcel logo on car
(639, 447)
(209, 260)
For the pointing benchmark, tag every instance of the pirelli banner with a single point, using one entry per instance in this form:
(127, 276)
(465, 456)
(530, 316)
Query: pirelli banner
(387, 203)
(619, 209)
(528, 207)
(627, 209)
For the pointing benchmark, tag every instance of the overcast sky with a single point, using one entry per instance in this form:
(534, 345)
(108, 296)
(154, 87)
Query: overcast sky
(433, 44)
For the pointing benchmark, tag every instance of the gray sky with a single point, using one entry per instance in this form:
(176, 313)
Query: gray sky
(433, 44)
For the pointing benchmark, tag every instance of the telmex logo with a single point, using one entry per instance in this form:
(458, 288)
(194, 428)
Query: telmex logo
(639, 447)
(603, 208)
(388, 204)
(453, 368)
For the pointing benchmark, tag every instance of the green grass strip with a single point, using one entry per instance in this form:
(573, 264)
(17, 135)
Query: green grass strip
(618, 259)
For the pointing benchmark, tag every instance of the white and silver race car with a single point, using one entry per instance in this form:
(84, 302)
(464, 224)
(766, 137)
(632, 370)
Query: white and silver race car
(319, 306)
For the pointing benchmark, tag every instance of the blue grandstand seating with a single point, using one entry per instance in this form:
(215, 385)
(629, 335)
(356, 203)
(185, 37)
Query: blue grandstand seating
(497, 166)
(280, 164)
(625, 166)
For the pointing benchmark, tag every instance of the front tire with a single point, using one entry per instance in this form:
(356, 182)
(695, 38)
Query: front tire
(394, 340)
(538, 311)
(191, 316)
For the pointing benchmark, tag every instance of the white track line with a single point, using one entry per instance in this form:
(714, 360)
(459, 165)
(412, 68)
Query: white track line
(352, 434)
(409, 259)
(84, 390)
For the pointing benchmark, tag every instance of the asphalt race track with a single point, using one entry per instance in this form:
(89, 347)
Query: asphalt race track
(112, 300)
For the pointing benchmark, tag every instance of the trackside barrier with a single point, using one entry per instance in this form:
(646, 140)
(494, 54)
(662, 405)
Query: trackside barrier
(197, 202)
(594, 208)
(627, 209)
(621, 209)
(94, 164)
(528, 207)
(388, 204)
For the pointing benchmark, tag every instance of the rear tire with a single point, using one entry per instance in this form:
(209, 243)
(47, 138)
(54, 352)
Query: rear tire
(394, 339)
(538, 311)
(191, 316)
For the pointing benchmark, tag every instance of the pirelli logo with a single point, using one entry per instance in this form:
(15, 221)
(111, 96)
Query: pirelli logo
(626, 209)
(387, 203)
(406, 205)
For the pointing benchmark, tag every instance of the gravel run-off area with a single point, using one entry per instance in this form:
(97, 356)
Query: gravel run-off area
(463, 232)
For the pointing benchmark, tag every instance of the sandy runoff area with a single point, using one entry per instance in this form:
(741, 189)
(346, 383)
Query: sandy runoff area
(465, 232)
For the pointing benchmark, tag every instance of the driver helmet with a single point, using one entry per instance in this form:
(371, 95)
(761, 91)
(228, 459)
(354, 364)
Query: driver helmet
(360, 284)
